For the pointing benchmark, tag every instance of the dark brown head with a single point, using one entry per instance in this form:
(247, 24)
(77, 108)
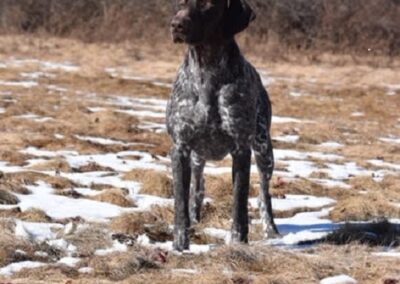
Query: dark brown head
(202, 21)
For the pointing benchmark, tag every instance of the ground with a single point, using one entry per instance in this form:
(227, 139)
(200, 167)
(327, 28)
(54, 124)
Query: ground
(85, 186)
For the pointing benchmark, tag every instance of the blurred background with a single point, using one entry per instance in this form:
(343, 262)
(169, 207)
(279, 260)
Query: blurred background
(284, 29)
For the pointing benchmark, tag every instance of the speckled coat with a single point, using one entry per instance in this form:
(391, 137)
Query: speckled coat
(218, 106)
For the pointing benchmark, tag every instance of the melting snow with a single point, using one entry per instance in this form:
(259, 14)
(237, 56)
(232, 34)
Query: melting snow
(69, 261)
(18, 266)
(340, 279)
(36, 231)
(57, 206)
(117, 247)
(296, 201)
(380, 163)
(394, 140)
(24, 84)
(287, 138)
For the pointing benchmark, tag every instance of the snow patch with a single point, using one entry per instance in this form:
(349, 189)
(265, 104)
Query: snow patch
(339, 279)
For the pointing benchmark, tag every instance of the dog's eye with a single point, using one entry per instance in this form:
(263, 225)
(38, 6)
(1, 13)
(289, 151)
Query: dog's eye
(205, 4)
(182, 4)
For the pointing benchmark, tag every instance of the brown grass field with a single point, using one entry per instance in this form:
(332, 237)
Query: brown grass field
(99, 99)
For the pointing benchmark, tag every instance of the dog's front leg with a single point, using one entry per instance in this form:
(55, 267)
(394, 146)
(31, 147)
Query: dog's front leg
(241, 180)
(181, 174)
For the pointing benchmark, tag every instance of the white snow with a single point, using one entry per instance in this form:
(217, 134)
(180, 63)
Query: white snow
(57, 206)
(117, 247)
(283, 119)
(331, 144)
(339, 279)
(387, 254)
(296, 94)
(34, 117)
(294, 238)
(100, 140)
(281, 154)
(341, 172)
(96, 109)
(2, 110)
(380, 163)
(194, 248)
(63, 66)
(142, 113)
(36, 231)
(357, 114)
(296, 201)
(182, 270)
(57, 89)
(287, 138)
(394, 140)
(24, 84)
(18, 266)
(85, 270)
(218, 233)
(69, 261)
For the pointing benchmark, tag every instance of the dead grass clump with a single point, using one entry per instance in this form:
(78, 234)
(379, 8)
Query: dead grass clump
(282, 186)
(13, 157)
(363, 207)
(9, 185)
(218, 187)
(30, 178)
(12, 249)
(132, 223)
(89, 238)
(263, 260)
(7, 198)
(381, 233)
(56, 165)
(52, 274)
(150, 223)
(364, 183)
(93, 167)
(153, 183)
(119, 266)
(115, 196)
(217, 214)
(34, 215)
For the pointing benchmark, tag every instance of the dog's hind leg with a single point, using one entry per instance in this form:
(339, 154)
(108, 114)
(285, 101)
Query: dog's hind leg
(265, 164)
(196, 188)
(180, 158)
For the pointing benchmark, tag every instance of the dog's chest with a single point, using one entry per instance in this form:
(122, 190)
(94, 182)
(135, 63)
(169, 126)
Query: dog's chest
(216, 114)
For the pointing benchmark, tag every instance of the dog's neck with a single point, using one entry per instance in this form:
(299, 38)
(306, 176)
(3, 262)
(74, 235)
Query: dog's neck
(212, 55)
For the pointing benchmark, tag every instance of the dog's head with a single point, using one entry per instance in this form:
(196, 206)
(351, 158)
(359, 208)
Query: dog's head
(202, 21)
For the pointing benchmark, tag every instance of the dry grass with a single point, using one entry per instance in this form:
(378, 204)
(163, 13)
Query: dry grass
(7, 198)
(115, 196)
(363, 207)
(153, 183)
(220, 186)
(337, 92)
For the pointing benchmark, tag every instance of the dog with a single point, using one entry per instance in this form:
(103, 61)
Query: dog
(218, 106)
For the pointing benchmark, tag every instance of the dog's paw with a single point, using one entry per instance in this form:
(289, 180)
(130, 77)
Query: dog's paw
(181, 240)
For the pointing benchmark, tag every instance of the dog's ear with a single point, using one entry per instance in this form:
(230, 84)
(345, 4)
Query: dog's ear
(238, 16)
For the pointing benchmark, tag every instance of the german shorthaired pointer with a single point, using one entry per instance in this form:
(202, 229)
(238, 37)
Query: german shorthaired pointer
(218, 106)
